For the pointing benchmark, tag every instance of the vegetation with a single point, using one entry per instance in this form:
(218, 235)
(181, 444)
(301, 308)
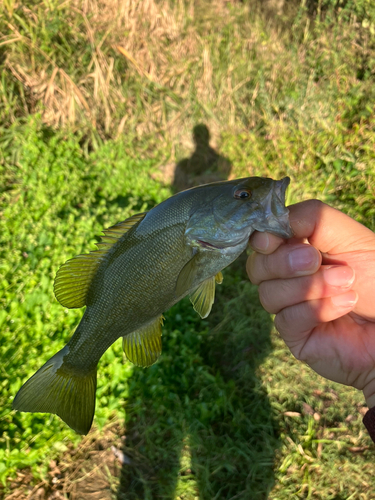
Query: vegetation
(98, 102)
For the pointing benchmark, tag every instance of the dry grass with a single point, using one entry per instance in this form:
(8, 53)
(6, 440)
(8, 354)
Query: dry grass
(152, 68)
(143, 39)
(90, 472)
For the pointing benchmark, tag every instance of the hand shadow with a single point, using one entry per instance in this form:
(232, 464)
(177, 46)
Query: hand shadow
(198, 422)
(205, 164)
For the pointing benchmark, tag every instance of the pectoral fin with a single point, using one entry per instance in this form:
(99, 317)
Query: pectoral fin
(219, 278)
(186, 277)
(143, 347)
(204, 296)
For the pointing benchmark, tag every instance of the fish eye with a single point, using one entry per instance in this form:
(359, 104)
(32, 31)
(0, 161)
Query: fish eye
(242, 194)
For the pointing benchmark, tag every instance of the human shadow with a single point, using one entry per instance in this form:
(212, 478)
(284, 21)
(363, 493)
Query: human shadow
(203, 166)
(198, 422)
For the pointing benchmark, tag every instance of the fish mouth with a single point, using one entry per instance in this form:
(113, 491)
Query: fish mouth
(276, 220)
(280, 227)
(280, 188)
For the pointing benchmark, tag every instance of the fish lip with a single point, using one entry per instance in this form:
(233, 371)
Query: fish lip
(281, 187)
(283, 229)
(278, 226)
(276, 217)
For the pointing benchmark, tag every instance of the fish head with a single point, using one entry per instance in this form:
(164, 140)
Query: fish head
(227, 213)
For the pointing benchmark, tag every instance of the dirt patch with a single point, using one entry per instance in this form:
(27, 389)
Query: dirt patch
(90, 472)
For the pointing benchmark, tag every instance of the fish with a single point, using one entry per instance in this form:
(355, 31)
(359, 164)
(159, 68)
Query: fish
(142, 267)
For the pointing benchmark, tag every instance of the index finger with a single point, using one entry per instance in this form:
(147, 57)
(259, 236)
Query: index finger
(326, 228)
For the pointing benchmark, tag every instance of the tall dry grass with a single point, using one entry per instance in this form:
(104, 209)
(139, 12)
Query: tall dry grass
(151, 67)
(122, 73)
(151, 70)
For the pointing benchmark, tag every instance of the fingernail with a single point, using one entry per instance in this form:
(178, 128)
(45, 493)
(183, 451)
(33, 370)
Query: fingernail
(260, 242)
(338, 275)
(347, 299)
(303, 258)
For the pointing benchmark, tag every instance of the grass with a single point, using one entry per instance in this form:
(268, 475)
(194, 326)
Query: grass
(284, 90)
(57, 203)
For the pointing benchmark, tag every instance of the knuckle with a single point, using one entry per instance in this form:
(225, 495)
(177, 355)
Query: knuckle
(262, 267)
(267, 297)
(285, 320)
(286, 323)
(289, 292)
(315, 207)
(252, 268)
(266, 268)
(315, 204)
(276, 294)
(280, 322)
(300, 354)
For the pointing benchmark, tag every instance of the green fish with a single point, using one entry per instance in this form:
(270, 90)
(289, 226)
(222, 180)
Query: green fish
(142, 267)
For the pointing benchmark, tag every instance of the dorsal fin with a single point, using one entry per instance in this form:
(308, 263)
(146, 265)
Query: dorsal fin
(114, 233)
(73, 279)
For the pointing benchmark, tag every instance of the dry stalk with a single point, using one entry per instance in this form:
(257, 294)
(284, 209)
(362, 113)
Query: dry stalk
(147, 61)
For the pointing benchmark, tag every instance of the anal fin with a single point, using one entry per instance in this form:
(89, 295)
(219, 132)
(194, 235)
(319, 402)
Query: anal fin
(143, 347)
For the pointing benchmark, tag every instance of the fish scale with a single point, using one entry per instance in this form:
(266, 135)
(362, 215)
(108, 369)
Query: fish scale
(142, 267)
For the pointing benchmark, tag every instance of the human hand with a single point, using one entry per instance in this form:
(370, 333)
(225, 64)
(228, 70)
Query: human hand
(321, 286)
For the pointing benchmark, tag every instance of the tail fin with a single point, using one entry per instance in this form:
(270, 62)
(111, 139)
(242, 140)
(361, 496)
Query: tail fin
(57, 388)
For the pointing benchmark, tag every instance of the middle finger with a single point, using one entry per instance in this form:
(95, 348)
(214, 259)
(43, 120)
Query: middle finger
(287, 261)
(275, 295)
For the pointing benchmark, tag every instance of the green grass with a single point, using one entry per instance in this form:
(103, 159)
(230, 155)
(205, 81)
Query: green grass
(226, 412)
(55, 204)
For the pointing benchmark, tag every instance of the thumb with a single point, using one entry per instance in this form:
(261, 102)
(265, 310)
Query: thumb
(328, 229)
